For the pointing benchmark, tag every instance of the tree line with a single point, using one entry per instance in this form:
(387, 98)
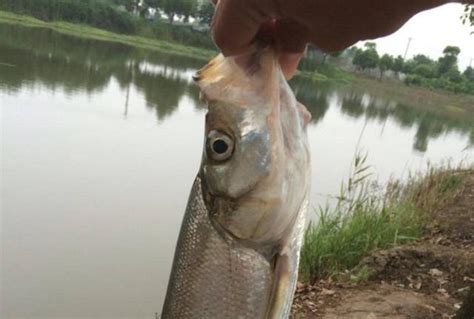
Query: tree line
(134, 17)
(442, 73)
(201, 10)
(146, 18)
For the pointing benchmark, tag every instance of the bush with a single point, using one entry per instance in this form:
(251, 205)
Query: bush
(424, 70)
(413, 79)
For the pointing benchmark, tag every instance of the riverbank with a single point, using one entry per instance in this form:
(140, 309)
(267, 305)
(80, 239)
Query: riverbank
(454, 105)
(447, 103)
(334, 75)
(88, 32)
(427, 277)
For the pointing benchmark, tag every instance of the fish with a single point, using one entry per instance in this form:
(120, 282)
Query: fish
(238, 249)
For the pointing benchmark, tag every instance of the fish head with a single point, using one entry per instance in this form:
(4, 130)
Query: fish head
(255, 163)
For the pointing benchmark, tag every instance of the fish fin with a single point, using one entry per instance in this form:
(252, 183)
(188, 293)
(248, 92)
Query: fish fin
(277, 306)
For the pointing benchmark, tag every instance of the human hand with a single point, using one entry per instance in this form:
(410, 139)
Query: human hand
(331, 25)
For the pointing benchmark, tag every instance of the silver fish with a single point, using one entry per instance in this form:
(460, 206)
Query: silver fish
(238, 250)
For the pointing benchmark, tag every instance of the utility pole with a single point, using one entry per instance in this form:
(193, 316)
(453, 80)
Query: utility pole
(408, 46)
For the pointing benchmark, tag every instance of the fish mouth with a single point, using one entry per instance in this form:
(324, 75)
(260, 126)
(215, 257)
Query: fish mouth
(196, 76)
(206, 71)
(248, 62)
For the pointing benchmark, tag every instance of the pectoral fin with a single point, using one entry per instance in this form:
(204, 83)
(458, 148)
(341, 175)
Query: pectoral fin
(278, 306)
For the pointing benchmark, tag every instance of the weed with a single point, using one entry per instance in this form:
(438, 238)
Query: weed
(368, 217)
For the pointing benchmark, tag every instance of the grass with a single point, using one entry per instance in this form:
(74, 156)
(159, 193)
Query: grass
(327, 73)
(440, 101)
(367, 218)
(88, 32)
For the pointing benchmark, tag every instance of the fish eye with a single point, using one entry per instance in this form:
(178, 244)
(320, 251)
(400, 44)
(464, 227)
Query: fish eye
(220, 146)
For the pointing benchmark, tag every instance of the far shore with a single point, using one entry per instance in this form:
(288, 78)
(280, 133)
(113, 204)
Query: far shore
(437, 100)
(88, 32)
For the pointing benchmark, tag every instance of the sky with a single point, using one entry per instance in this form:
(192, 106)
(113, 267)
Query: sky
(431, 31)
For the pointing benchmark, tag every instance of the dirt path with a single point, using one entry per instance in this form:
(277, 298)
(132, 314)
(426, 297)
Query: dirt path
(429, 278)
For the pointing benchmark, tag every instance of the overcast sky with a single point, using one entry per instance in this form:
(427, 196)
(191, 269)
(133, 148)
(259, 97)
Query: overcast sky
(432, 31)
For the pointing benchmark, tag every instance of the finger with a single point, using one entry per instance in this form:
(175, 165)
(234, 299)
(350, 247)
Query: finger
(235, 25)
(290, 41)
(289, 63)
(290, 36)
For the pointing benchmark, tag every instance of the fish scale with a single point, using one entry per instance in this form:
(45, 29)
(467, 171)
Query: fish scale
(206, 259)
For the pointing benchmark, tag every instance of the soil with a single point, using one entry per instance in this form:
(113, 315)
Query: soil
(429, 278)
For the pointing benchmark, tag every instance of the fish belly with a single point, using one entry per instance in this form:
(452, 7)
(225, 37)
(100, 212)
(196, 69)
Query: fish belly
(213, 276)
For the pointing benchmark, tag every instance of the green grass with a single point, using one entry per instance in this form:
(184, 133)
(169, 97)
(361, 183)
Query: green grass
(367, 218)
(99, 34)
(327, 73)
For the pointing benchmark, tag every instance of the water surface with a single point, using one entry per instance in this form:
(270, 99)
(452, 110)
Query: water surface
(101, 143)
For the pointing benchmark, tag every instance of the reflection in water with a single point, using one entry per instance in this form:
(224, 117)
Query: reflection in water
(356, 104)
(316, 101)
(44, 58)
(95, 187)
(165, 99)
(62, 62)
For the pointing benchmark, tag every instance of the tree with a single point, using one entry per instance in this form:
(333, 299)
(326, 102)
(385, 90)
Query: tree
(469, 74)
(424, 70)
(370, 45)
(170, 8)
(186, 8)
(205, 13)
(147, 4)
(366, 59)
(452, 50)
(132, 6)
(422, 59)
(409, 66)
(385, 63)
(468, 16)
(143, 7)
(449, 61)
(397, 66)
(351, 51)
(454, 75)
